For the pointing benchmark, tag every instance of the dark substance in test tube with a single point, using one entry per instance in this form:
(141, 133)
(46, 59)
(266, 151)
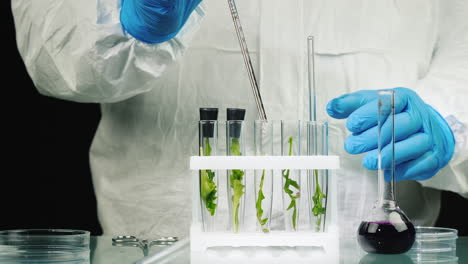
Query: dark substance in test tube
(208, 114)
(384, 237)
(235, 114)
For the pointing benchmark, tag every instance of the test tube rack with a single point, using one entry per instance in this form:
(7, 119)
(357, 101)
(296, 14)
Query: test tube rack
(327, 240)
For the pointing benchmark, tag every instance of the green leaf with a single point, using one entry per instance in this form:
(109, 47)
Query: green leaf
(318, 210)
(294, 184)
(207, 184)
(235, 147)
(238, 191)
(236, 177)
(258, 204)
(208, 191)
(208, 147)
(211, 174)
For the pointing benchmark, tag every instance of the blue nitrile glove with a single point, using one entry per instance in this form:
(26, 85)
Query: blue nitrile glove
(155, 21)
(424, 143)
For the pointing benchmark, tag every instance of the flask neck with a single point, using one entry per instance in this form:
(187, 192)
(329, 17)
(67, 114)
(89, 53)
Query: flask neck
(386, 189)
(386, 139)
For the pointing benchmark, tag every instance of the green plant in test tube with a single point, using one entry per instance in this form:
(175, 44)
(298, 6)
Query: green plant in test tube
(318, 197)
(208, 185)
(318, 208)
(288, 183)
(236, 177)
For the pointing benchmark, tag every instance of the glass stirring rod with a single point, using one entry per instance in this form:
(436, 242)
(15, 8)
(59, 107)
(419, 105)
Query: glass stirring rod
(311, 79)
(247, 60)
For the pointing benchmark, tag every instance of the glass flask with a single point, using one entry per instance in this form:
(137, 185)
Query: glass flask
(386, 230)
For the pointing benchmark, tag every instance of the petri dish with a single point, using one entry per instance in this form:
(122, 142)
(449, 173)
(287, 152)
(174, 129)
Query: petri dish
(44, 246)
(434, 245)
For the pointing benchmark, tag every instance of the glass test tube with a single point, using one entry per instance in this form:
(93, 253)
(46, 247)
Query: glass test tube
(235, 178)
(291, 180)
(263, 139)
(317, 144)
(209, 182)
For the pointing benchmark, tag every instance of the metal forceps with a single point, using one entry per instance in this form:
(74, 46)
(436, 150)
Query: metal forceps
(143, 244)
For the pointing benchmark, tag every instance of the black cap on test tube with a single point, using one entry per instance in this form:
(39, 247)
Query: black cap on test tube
(208, 114)
(235, 114)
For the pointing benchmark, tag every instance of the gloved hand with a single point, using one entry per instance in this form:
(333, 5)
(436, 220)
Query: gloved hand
(155, 21)
(424, 143)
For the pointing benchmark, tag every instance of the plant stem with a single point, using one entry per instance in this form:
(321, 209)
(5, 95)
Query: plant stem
(289, 182)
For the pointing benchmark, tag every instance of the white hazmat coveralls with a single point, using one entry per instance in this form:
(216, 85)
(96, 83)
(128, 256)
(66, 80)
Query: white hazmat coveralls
(150, 94)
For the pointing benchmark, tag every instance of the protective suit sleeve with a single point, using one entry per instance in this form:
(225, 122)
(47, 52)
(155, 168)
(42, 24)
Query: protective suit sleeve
(445, 87)
(78, 51)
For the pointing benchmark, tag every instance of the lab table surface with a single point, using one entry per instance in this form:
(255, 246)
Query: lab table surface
(103, 252)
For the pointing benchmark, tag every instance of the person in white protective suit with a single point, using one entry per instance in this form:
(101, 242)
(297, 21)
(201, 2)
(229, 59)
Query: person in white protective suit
(150, 93)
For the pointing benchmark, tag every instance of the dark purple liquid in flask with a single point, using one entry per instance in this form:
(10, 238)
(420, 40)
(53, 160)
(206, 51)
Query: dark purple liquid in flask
(385, 237)
(386, 230)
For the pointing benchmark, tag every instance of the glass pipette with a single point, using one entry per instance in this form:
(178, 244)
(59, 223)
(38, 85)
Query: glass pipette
(247, 60)
(311, 75)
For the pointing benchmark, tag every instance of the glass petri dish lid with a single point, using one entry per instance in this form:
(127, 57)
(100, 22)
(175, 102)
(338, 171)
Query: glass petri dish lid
(44, 245)
(434, 245)
(435, 239)
(424, 233)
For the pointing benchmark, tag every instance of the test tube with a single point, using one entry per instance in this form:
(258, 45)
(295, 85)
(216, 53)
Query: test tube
(209, 182)
(317, 144)
(291, 179)
(235, 178)
(263, 141)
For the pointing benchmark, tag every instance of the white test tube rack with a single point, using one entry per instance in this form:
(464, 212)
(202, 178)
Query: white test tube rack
(327, 240)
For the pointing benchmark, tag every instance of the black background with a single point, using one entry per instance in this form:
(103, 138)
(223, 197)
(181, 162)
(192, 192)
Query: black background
(45, 177)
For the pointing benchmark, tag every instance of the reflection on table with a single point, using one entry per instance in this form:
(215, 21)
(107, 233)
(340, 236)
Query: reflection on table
(102, 252)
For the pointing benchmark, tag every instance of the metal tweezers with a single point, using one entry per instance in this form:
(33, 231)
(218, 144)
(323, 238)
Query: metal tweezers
(143, 244)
